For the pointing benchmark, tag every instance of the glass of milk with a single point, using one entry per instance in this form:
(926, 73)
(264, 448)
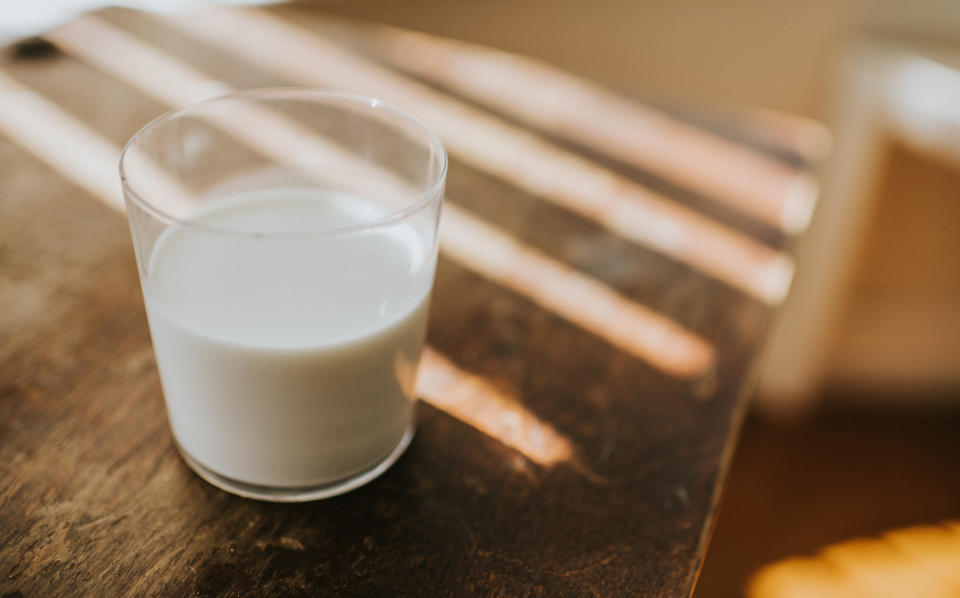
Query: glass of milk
(286, 242)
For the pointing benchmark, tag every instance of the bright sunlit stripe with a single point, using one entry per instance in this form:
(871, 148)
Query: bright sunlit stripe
(476, 402)
(41, 128)
(594, 307)
(810, 140)
(122, 55)
(88, 160)
(571, 107)
(507, 152)
(464, 238)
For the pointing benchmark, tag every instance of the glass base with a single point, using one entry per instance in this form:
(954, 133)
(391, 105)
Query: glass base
(275, 494)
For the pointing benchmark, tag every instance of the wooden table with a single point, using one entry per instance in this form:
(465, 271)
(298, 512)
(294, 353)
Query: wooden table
(608, 272)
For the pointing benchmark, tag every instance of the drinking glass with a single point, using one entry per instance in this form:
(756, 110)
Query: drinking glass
(286, 241)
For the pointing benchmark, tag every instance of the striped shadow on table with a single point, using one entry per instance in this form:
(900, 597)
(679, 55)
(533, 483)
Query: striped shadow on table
(484, 141)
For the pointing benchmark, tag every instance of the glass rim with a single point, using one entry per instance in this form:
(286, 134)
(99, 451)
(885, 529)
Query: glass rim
(423, 199)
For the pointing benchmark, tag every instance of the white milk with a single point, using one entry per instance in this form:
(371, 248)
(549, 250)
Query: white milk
(289, 360)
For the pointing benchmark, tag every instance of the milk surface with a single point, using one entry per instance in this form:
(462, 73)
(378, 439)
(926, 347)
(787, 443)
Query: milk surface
(288, 359)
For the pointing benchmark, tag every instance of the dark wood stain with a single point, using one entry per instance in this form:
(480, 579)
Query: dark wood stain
(94, 499)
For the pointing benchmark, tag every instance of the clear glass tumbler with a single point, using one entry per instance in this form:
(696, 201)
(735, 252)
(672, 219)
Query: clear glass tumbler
(286, 241)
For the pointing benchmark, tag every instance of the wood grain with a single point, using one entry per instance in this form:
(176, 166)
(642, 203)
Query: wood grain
(94, 499)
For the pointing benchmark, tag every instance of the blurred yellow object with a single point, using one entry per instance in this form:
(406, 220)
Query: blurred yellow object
(915, 562)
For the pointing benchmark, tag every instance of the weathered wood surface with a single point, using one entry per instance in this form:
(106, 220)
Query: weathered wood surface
(94, 499)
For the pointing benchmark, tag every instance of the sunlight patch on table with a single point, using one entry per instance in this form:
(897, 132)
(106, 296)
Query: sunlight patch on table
(476, 402)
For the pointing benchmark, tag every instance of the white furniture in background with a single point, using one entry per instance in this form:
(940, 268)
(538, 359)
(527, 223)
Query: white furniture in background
(886, 92)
